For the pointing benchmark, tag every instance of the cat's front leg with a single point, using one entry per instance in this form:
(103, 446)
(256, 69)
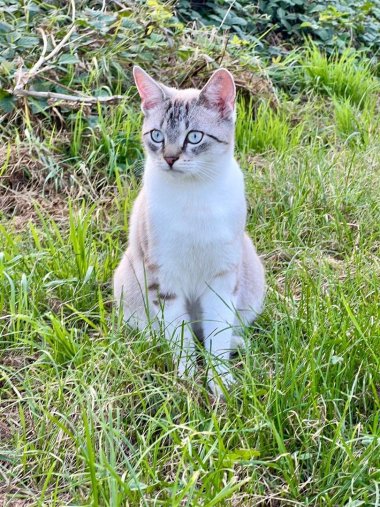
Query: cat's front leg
(218, 315)
(172, 312)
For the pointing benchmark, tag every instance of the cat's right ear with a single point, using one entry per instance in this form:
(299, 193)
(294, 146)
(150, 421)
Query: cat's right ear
(150, 91)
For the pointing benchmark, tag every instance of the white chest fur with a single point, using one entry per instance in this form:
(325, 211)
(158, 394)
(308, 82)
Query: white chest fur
(196, 227)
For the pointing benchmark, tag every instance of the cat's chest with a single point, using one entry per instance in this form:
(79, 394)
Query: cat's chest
(192, 223)
(194, 240)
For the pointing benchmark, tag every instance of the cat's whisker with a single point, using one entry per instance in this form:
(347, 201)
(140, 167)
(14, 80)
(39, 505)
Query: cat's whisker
(206, 176)
(207, 171)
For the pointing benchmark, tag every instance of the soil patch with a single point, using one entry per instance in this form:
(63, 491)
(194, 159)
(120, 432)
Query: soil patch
(25, 187)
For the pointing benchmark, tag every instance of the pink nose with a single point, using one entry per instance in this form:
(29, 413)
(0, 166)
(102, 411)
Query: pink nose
(171, 160)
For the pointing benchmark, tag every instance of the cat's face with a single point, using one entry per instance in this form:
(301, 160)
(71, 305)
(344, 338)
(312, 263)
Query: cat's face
(185, 132)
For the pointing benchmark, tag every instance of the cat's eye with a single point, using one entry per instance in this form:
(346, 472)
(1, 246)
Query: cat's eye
(157, 136)
(194, 137)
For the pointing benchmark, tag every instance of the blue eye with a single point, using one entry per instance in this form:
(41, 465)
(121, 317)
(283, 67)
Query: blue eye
(157, 136)
(194, 137)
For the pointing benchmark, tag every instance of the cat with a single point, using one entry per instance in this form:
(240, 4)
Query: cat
(189, 263)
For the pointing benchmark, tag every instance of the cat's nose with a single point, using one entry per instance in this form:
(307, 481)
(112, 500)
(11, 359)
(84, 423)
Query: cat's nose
(171, 160)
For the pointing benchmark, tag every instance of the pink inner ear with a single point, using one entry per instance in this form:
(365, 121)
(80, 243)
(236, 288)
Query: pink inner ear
(150, 92)
(220, 91)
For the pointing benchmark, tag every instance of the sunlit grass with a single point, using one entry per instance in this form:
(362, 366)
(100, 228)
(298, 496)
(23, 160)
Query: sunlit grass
(95, 414)
(91, 412)
(264, 129)
(347, 75)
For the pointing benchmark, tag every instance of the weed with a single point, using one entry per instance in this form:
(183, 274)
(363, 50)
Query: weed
(91, 412)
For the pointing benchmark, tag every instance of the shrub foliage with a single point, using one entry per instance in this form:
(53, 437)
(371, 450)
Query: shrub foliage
(279, 24)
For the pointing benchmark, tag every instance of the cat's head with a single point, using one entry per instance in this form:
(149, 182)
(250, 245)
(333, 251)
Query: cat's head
(187, 131)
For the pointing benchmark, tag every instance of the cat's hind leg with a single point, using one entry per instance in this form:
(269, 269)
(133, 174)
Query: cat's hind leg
(132, 281)
(147, 305)
(250, 292)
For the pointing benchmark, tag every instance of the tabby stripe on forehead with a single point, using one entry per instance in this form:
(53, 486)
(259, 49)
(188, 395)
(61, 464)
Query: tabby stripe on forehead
(168, 107)
(187, 123)
(178, 111)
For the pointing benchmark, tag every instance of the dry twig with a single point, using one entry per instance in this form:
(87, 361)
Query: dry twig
(23, 77)
(80, 99)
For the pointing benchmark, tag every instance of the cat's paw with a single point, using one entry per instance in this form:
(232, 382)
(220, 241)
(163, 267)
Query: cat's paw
(237, 342)
(219, 386)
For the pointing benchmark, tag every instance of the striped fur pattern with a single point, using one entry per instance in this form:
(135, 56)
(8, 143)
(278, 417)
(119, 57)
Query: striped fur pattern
(189, 265)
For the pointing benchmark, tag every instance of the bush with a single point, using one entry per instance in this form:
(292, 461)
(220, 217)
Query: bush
(277, 24)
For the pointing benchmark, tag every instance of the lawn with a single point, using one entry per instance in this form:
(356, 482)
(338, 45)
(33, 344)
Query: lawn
(91, 412)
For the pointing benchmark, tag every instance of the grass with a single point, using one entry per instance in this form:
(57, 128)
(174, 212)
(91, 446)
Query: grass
(347, 75)
(91, 412)
(263, 128)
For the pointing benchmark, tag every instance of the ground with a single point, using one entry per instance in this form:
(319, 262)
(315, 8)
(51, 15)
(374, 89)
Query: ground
(91, 412)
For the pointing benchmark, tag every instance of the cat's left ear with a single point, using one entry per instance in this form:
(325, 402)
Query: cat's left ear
(220, 92)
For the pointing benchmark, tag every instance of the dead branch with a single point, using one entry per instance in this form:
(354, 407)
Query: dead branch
(22, 77)
(56, 97)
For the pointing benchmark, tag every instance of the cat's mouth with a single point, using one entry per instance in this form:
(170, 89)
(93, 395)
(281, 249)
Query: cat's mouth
(170, 170)
(177, 168)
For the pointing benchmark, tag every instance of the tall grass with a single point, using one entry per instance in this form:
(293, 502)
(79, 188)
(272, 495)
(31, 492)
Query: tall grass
(92, 413)
(263, 129)
(346, 75)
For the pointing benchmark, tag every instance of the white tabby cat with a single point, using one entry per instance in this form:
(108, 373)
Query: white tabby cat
(189, 264)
